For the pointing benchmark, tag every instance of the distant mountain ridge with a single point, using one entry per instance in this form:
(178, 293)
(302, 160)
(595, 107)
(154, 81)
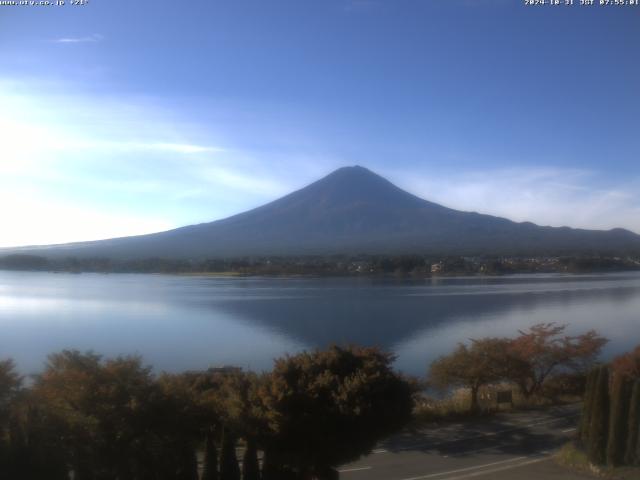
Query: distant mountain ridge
(352, 211)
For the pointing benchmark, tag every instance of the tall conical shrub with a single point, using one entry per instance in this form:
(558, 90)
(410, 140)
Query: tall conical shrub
(250, 467)
(618, 420)
(270, 469)
(632, 451)
(599, 424)
(229, 469)
(210, 471)
(583, 433)
(187, 463)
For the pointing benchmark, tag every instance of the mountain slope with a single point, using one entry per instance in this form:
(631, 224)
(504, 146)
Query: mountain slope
(353, 210)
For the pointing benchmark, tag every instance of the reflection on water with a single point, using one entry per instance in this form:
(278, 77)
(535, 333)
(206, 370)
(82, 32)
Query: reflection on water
(178, 323)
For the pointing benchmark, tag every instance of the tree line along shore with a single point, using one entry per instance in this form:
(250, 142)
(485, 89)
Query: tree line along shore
(332, 265)
(101, 418)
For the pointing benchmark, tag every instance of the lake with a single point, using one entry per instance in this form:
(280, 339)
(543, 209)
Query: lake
(181, 322)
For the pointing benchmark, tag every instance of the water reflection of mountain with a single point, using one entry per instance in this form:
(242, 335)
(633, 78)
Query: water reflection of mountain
(388, 316)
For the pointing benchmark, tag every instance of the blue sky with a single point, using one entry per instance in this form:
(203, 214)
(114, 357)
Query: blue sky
(123, 117)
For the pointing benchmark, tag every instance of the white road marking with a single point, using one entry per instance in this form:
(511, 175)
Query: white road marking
(568, 430)
(483, 472)
(355, 469)
(499, 469)
(460, 470)
(380, 450)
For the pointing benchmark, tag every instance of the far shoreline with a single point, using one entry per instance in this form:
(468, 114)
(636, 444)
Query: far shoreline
(372, 276)
(337, 265)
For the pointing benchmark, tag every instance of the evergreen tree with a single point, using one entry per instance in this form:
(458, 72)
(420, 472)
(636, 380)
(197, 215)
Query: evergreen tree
(18, 451)
(83, 472)
(598, 426)
(210, 471)
(632, 452)
(250, 468)
(269, 467)
(273, 468)
(618, 425)
(229, 469)
(187, 463)
(587, 406)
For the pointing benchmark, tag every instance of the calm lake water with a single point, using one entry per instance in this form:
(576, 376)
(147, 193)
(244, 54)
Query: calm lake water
(178, 323)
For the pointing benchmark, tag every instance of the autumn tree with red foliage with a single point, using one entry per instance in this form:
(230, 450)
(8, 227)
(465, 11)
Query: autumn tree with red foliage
(472, 367)
(542, 350)
(628, 364)
(528, 361)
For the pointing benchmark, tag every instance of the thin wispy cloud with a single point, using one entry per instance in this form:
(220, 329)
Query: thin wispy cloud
(130, 146)
(126, 158)
(244, 181)
(183, 148)
(93, 38)
(153, 166)
(543, 195)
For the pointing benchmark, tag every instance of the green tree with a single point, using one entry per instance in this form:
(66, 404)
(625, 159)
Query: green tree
(273, 467)
(10, 385)
(35, 448)
(472, 367)
(250, 466)
(270, 466)
(241, 410)
(229, 469)
(329, 407)
(187, 468)
(234, 395)
(628, 366)
(210, 470)
(587, 406)
(618, 426)
(598, 427)
(191, 419)
(632, 451)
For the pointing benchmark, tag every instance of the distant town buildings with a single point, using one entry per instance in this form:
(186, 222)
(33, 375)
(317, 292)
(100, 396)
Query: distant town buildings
(437, 268)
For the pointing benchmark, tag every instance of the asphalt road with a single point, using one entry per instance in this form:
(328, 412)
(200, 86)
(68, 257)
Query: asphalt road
(506, 446)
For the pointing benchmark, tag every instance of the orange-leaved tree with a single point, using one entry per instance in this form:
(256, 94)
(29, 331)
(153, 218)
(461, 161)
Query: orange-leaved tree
(543, 349)
(628, 364)
(472, 367)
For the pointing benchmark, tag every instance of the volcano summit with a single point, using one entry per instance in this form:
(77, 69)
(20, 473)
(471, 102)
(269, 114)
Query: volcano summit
(352, 211)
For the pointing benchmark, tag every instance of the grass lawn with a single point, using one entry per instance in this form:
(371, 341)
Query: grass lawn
(572, 457)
